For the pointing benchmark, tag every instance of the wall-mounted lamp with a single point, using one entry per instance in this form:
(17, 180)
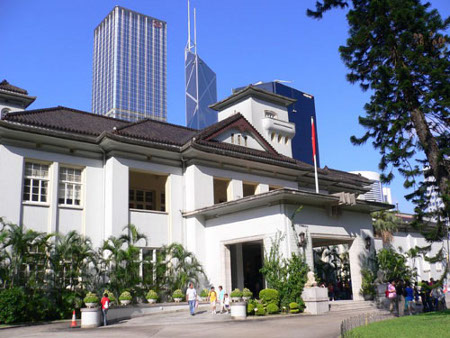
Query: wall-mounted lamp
(302, 239)
(368, 241)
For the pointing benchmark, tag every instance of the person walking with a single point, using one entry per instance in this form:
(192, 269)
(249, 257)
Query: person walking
(221, 299)
(392, 296)
(105, 306)
(191, 297)
(400, 290)
(212, 297)
(409, 299)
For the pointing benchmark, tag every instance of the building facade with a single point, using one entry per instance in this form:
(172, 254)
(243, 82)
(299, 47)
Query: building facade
(201, 86)
(130, 66)
(300, 112)
(224, 192)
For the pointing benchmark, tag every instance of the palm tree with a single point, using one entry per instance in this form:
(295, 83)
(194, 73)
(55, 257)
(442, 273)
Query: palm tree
(182, 267)
(385, 224)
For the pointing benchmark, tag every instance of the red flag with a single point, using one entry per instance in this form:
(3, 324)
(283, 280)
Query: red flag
(313, 136)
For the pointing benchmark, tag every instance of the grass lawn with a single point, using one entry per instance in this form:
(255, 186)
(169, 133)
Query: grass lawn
(431, 324)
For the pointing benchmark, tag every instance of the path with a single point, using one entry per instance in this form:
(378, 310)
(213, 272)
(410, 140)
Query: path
(204, 324)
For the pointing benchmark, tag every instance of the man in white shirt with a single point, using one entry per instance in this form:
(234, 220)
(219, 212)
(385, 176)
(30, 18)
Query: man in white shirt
(191, 297)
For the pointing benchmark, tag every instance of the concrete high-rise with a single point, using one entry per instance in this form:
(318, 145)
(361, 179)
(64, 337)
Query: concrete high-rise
(300, 114)
(201, 87)
(130, 66)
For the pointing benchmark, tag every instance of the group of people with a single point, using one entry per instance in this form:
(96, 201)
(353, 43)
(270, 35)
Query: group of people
(339, 290)
(404, 296)
(221, 298)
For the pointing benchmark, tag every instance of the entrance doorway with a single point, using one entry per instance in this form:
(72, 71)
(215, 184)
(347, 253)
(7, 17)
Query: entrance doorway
(246, 261)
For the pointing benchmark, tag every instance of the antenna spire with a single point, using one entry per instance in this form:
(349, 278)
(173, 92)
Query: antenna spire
(195, 32)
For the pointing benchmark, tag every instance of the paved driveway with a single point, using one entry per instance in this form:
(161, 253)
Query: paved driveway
(204, 324)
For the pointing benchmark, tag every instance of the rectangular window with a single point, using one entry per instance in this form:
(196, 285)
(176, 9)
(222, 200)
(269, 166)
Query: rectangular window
(69, 192)
(141, 199)
(35, 182)
(163, 201)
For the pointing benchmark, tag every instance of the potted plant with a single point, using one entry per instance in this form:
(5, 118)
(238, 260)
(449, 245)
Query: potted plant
(246, 294)
(152, 297)
(112, 298)
(177, 296)
(91, 300)
(125, 298)
(236, 295)
(204, 294)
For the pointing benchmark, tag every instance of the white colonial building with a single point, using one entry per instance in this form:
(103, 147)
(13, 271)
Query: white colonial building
(223, 192)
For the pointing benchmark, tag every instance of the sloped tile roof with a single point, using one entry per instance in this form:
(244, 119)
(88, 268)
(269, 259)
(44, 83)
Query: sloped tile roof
(5, 85)
(67, 119)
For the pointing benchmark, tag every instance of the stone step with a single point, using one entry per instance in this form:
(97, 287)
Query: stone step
(336, 306)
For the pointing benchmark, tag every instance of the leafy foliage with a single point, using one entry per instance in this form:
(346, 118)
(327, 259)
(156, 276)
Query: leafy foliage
(152, 295)
(13, 305)
(272, 308)
(177, 294)
(393, 264)
(385, 224)
(399, 51)
(236, 293)
(247, 293)
(126, 295)
(367, 285)
(91, 298)
(294, 307)
(287, 276)
(53, 273)
(269, 296)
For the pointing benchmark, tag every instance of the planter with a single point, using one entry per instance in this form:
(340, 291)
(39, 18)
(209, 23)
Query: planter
(238, 310)
(151, 301)
(125, 302)
(177, 300)
(91, 305)
(90, 318)
(245, 299)
(368, 297)
(235, 299)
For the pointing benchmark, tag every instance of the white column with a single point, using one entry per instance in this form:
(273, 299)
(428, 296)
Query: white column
(261, 188)
(357, 252)
(11, 181)
(116, 197)
(235, 190)
(53, 198)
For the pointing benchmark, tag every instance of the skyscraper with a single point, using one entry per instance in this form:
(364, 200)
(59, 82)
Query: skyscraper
(201, 88)
(130, 63)
(299, 113)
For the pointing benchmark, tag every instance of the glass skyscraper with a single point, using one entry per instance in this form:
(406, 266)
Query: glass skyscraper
(201, 87)
(130, 64)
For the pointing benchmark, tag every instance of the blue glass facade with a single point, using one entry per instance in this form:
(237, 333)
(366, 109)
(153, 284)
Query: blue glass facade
(300, 113)
(130, 64)
(201, 91)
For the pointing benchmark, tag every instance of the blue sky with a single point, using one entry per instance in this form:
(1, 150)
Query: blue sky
(46, 48)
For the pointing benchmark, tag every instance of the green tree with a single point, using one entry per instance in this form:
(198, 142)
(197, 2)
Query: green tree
(398, 50)
(394, 265)
(385, 224)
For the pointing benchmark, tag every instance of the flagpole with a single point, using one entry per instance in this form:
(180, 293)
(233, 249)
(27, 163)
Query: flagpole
(313, 140)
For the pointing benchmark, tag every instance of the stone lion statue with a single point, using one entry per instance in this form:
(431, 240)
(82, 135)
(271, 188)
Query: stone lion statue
(311, 280)
(380, 278)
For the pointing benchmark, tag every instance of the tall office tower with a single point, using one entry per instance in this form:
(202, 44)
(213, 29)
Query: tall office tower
(300, 114)
(201, 88)
(130, 63)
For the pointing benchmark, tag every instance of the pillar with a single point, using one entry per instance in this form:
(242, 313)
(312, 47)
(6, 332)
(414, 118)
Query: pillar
(357, 253)
(239, 266)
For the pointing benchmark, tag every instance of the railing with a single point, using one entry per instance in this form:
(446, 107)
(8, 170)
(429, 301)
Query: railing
(362, 320)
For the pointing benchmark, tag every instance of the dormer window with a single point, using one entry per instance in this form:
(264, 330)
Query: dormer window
(270, 114)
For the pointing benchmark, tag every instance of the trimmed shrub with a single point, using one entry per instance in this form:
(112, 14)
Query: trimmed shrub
(250, 309)
(247, 293)
(204, 293)
(177, 294)
(272, 309)
(260, 311)
(152, 295)
(269, 296)
(236, 293)
(91, 298)
(125, 296)
(294, 307)
(13, 306)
